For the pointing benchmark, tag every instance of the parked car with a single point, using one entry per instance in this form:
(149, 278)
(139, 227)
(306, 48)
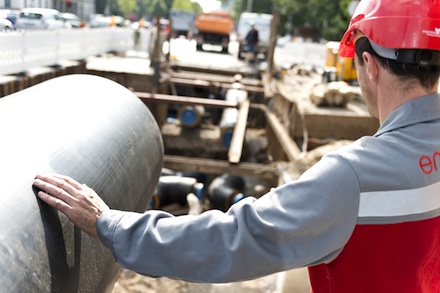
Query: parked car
(6, 24)
(41, 18)
(73, 19)
(99, 20)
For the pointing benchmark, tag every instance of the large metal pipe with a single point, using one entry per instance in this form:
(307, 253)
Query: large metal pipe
(93, 130)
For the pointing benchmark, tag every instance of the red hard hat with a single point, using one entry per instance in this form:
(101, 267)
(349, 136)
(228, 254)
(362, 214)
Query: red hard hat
(397, 24)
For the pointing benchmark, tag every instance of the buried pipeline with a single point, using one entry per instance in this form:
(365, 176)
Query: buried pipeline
(86, 127)
(221, 193)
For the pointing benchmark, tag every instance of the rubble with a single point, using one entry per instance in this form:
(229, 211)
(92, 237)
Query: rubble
(333, 94)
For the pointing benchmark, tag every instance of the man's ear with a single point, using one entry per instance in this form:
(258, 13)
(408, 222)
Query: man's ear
(371, 65)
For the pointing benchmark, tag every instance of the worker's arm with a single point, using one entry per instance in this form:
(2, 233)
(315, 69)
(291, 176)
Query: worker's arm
(299, 224)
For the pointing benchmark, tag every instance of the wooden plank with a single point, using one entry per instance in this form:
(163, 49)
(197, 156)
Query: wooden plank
(207, 84)
(282, 136)
(191, 82)
(162, 98)
(264, 171)
(236, 146)
(215, 78)
(274, 28)
(245, 71)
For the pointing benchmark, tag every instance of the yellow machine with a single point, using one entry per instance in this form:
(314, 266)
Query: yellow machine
(338, 68)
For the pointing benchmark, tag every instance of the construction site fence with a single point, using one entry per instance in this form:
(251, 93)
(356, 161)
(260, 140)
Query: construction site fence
(21, 50)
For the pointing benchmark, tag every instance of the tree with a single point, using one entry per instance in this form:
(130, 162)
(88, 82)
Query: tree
(196, 7)
(329, 18)
(127, 6)
(183, 5)
(259, 6)
(155, 8)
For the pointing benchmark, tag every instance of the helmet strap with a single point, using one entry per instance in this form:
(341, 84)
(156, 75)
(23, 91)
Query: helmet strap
(421, 57)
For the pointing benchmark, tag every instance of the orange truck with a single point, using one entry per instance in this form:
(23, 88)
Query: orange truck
(214, 28)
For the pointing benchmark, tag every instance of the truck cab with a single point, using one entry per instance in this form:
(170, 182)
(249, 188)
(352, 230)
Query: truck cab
(214, 28)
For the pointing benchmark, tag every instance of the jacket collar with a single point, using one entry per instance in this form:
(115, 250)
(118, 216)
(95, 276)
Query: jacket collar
(418, 110)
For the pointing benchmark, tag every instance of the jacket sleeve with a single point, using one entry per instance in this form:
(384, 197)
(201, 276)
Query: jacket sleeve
(299, 224)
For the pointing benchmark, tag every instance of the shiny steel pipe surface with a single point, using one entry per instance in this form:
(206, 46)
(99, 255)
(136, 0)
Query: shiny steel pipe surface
(91, 129)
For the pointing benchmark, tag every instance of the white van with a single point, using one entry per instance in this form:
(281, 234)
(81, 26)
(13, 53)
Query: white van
(182, 23)
(262, 23)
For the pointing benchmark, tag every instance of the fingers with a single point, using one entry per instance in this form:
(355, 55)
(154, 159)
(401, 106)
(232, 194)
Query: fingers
(52, 195)
(56, 187)
(54, 201)
(64, 182)
(62, 191)
(78, 202)
(69, 180)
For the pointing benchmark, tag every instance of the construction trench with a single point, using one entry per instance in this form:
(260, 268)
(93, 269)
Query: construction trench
(227, 134)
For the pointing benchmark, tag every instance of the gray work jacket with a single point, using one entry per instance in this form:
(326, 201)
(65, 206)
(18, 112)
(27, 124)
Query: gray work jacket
(301, 223)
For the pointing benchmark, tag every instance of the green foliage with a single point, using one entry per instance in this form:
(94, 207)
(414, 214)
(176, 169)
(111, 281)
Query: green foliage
(259, 6)
(237, 9)
(183, 5)
(186, 5)
(329, 18)
(196, 7)
(153, 8)
(127, 6)
(316, 19)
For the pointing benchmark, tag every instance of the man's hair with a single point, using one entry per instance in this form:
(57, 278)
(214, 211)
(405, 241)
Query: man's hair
(426, 76)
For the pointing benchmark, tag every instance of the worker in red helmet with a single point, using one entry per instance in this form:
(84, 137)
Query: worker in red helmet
(365, 218)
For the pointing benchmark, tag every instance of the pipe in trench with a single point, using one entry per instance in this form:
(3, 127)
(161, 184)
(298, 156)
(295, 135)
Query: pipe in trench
(190, 116)
(174, 189)
(226, 190)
